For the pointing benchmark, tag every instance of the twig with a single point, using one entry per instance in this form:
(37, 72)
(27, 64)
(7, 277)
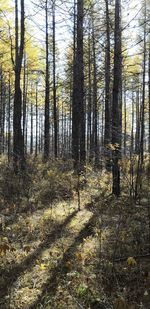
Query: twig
(124, 258)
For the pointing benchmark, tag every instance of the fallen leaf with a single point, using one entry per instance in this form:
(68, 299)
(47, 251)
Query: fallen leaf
(43, 266)
(131, 261)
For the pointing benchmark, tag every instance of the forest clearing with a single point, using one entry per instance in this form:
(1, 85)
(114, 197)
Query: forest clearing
(75, 154)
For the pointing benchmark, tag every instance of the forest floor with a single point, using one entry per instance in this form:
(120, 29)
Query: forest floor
(59, 257)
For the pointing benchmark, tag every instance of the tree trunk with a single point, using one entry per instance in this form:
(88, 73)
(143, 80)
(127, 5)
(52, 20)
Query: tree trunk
(143, 96)
(89, 120)
(107, 132)
(125, 119)
(116, 104)
(78, 113)
(149, 98)
(95, 111)
(54, 85)
(31, 134)
(46, 121)
(36, 137)
(18, 144)
(9, 115)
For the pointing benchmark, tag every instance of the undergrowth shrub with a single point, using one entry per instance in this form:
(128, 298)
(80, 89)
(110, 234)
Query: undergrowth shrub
(39, 185)
(13, 188)
(54, 184)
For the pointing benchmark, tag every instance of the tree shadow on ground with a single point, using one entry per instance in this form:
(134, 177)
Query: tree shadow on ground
(12, 272)
(60, 270)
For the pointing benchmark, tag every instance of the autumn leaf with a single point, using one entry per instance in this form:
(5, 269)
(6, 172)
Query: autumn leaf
(68, 265)
(27, 248)
(131, 261)
(79, 257)
(43, 266)
(3, 249)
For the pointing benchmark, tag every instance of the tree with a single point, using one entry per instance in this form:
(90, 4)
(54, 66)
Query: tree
(149, 96)
(116, 113)
(78, 109)
(46, 123)
(54, 82)
(18, 144)
(143, 92)
(107, 133)
(95, 105)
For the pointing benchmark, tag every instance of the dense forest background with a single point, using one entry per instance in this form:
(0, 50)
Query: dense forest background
(75, 154)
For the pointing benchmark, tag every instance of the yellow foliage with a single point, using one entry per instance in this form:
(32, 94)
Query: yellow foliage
(50, 173)
(131, 261)
(113, 147)
(5, 5)
(43, 266)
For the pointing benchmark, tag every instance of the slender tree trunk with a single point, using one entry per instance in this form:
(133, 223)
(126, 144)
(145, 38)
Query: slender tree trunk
(31, 136)
(80, 82)
(149, 98)
(9, 116)
(46, 121)
(75, 106)
(18, 144)
(26, 130)
(1, 111)
(125, 118)
(36, 107)
(132, 147)
(137, 132)
(24, 98)
(89, 124)
(132, 126)
(70, 120)
(3, 117)
(107, 133)
(54, 84)
(39, 133)
(95, 108)
(116, 104)
(143, 96)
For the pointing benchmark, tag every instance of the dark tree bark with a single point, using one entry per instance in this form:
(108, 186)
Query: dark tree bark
(125, 118)
(137, 131)
(75, 111)
(54, 84)
(78, 110)
(107, 132)
(143, 95)
(132, 126)
(89, 108)
(9, 119)
(1, 111)
(25, 90)
(36, 112)
(81, 100)
(39, 133)
(149, 99)
(18, 144)
(46, 121)
(95, 107)
(31, 133)
(116, 103)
